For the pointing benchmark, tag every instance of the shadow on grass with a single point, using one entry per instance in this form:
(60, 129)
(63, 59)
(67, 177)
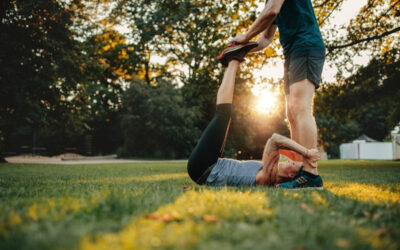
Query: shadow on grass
(114, 179)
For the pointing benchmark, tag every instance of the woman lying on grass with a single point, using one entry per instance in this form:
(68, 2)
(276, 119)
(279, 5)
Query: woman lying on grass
(205, 165)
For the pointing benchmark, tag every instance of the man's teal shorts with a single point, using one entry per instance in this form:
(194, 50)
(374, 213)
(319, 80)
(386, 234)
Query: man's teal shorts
(305, 64)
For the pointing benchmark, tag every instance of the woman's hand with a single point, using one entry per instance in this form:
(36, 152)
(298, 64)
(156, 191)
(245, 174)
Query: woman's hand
(239, 39)
(312, 155)
(262, 44)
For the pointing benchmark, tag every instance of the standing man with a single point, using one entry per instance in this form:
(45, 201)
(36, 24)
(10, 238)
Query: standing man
(304, 52)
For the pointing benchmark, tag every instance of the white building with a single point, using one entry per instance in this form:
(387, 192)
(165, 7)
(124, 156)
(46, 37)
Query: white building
(366, 148)
(396, 142)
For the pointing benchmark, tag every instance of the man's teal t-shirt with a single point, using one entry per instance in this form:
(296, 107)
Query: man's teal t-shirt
(298, 27)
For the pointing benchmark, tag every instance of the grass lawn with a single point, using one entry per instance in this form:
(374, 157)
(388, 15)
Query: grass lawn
(156, 205)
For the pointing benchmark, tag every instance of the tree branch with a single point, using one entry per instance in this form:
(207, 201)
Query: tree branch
(321, 4)
(327, 16)
(332, 48)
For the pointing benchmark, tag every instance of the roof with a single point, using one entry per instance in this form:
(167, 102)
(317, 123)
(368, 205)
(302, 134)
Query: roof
(366, 138)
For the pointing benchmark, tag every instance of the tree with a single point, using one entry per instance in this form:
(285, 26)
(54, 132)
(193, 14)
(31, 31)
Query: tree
(156, 122)
(65, 65)
(333, 132)
(375, 24)
(367, 102)
(373, 32)
(38, 70)
(105, 73)
(189, 35)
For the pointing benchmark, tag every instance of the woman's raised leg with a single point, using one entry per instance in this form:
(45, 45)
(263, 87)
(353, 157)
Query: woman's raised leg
(212, 141)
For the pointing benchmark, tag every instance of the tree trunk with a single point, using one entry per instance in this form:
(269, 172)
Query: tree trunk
(147, 72)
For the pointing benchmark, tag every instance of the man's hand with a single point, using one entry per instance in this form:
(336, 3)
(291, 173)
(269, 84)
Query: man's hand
(239, 39)
(313, 155)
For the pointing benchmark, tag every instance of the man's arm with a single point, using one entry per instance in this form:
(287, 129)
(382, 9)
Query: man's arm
(263, 21)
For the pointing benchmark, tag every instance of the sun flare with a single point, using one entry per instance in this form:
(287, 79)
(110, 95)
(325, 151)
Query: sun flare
(266, 99)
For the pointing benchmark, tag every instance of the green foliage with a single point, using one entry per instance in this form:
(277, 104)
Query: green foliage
(373, 31)
(38, 70)
(332, 133)
(366, 103)
(157, 122)
(64, 67)
(101, 88)
(58, 206)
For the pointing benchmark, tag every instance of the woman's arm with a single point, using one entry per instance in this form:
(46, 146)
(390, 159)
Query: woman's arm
(265, 38)
(270, 156)
(282, 142)
(270, 161)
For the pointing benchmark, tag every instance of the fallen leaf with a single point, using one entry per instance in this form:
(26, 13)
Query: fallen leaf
(210, 218)
(381, 231)
(306, 208)
(376, 216)
(166, 217)
(343, 243)
(367, 214)
(187, 188)
(152, 216)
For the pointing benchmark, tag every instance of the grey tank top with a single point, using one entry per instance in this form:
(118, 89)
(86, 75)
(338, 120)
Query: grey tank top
(231, 172)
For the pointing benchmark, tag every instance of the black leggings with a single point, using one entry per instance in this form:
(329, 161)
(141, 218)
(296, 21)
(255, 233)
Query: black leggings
(211, 144)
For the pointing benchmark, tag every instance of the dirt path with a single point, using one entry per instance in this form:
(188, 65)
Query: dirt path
(73, 159)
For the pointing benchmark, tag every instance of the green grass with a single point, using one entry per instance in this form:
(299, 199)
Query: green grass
(147, 205)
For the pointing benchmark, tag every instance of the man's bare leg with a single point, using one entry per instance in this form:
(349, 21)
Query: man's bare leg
(303, 128)
(227, 87)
